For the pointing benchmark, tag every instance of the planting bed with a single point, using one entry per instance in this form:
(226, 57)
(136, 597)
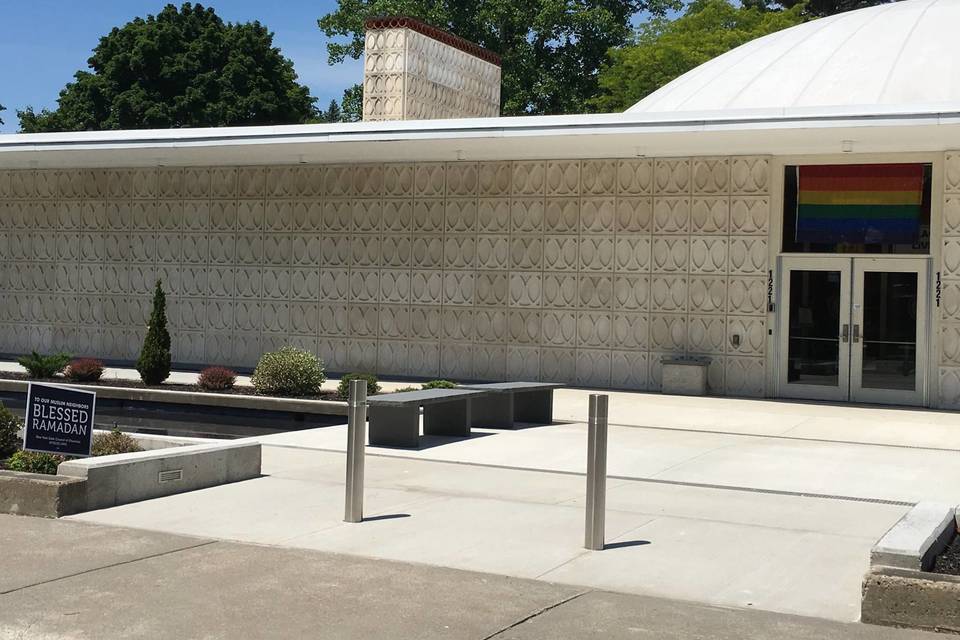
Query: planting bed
(192, 413)
(245, 390)
(913, 579)
(949, 561)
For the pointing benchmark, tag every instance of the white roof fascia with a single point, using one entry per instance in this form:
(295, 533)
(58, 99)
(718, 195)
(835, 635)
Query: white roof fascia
(753, 131)
(485, 127)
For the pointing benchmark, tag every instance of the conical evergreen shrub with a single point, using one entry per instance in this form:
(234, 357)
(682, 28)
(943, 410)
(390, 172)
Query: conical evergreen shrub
(154, 361)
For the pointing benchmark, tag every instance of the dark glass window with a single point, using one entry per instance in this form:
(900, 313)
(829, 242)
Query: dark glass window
(865, 208)
(889, 330)
(813, 351)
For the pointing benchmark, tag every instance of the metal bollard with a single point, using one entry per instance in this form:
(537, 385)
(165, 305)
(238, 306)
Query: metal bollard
(356, 441)
(596, 473)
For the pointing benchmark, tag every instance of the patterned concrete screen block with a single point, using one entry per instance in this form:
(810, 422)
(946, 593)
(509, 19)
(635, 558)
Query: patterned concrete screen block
(575, 271)
(949, 287)
(414, 71)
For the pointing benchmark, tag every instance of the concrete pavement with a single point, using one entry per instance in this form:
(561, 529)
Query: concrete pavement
(729, 502)
(748, 503)
(732, 548)
(872, 471)
(895, 426)
(777, 445)
(67, 580)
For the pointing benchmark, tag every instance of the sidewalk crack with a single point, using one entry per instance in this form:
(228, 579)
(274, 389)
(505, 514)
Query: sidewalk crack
(108, 566)
(537, 613)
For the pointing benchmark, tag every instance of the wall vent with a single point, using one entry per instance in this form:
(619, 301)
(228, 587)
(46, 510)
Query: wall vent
(170, 476)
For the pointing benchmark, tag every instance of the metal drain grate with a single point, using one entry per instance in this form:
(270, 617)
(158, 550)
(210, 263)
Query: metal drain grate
(170, 476)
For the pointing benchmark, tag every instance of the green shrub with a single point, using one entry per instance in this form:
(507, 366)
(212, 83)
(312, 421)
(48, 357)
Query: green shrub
(343, 390)
(405, 389)
(154, 361)
(40, 366)
(439, 384)
(84, 370)
(217, 379)
(108, 444)
(9, 437)
(35, 462)
(289, 372)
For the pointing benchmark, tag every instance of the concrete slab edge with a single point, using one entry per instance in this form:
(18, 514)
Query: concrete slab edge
(132, 477)
(915, 599)
(917, 538)
(42, 496)
(150, 441)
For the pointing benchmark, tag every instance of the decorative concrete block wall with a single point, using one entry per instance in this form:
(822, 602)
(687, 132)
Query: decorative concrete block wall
(415, 72)
(949, 272)
(575, 271)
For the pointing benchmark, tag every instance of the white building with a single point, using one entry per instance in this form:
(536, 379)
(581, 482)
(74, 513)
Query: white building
(790, 209)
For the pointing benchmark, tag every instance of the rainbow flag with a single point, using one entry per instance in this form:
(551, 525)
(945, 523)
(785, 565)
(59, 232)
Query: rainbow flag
(859, 203)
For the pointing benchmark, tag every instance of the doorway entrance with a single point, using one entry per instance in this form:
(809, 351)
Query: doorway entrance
(853, 329)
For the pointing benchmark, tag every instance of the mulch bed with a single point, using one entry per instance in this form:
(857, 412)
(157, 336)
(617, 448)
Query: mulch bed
(949, 561)
(136, 384)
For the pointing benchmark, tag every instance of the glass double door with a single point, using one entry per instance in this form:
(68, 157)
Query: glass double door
(853, 329)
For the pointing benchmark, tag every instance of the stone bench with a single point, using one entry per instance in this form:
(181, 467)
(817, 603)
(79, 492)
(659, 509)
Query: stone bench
(395, 417)
(508, 403)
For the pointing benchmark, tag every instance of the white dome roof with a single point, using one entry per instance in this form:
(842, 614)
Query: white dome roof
(903, 53)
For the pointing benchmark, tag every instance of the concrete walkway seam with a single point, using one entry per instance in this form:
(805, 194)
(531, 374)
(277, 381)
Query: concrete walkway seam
(109, 566)
(677, 483)
(716, 432)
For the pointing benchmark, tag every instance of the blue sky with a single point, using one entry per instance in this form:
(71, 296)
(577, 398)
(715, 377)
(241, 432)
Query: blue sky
(44, 42)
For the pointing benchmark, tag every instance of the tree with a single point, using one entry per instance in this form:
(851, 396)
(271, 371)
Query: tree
(181, 68)
(333, 112)
(154, 361)
(814, 8)
(352, 104)
(664, 50)
(552, 49)
(2, 108)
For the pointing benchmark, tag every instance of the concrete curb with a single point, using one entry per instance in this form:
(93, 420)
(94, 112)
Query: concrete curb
(150, 442)
(916, 599)
(106, 481)
(233, 401)
(43, 496)
(132, 477)
(898, 590)
(917, 538)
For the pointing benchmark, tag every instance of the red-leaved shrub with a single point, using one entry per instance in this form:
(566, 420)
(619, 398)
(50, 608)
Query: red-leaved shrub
(84, 370)
(216, 379)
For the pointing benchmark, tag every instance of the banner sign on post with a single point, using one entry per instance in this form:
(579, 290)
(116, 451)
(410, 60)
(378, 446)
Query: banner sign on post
(59, 420)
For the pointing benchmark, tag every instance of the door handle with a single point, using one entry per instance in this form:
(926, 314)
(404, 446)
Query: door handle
(845, 333)
(856, 333)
